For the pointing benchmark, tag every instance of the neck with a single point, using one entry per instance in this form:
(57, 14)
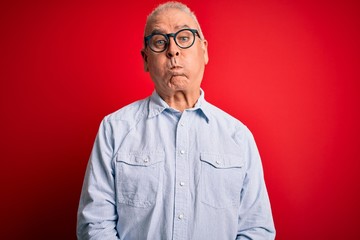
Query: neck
(181, 100)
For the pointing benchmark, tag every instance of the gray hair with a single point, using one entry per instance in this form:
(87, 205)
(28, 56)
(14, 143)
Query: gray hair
(172, 5)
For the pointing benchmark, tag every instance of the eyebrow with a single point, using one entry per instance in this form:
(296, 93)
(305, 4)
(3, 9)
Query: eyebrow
(158, 30)
(181, 27)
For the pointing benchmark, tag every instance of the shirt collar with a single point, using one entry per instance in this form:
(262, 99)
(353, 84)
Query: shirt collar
(157, 105)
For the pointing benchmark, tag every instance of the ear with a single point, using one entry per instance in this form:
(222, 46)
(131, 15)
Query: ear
(204, 47)
(144, 57)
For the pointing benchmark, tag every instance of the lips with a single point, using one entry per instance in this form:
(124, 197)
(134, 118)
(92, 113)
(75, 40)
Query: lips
(176, 71)
(174, 67)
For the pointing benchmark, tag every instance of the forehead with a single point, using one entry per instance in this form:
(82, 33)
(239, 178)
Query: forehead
(170, 20)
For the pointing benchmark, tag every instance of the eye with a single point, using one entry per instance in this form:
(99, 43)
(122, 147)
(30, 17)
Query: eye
(160, 43)
(183, 39)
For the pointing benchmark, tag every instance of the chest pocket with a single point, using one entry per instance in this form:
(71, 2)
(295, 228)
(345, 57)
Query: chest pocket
(137, 177)
(221, 179)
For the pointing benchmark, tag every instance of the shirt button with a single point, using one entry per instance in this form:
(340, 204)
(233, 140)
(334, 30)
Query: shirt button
(182, 184)
(218, 162)
(182, 151)
(182, 124)
(181, 216)
(146, 160)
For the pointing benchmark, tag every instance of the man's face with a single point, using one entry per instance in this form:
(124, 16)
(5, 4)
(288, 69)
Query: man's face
(175, 69)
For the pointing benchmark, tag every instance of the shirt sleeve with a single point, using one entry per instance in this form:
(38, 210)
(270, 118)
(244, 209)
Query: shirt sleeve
(97, 215)
(255, 217)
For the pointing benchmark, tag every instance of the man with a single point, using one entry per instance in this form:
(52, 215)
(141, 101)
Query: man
(173, 166)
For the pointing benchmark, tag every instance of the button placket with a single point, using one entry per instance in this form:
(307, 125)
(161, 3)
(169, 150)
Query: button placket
(182, 176)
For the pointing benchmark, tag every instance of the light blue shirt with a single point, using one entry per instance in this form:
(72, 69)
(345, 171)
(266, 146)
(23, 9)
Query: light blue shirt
(156, 173)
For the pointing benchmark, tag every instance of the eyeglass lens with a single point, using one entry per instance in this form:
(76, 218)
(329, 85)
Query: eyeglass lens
(184, 39)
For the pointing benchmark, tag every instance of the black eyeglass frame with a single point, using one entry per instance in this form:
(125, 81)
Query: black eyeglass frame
(167, 37)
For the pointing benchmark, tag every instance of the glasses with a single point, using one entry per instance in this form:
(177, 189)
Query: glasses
(159, 42)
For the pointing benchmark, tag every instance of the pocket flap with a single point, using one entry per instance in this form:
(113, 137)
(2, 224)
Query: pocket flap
(223, 160)
(141, 158)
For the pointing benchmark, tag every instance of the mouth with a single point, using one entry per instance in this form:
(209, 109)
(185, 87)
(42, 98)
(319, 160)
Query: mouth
(176, 70)
(175, 67)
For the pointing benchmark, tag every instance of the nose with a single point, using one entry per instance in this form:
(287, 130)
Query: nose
(173, 49)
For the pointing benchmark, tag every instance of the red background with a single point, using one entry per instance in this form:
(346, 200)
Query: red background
(288, 69)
